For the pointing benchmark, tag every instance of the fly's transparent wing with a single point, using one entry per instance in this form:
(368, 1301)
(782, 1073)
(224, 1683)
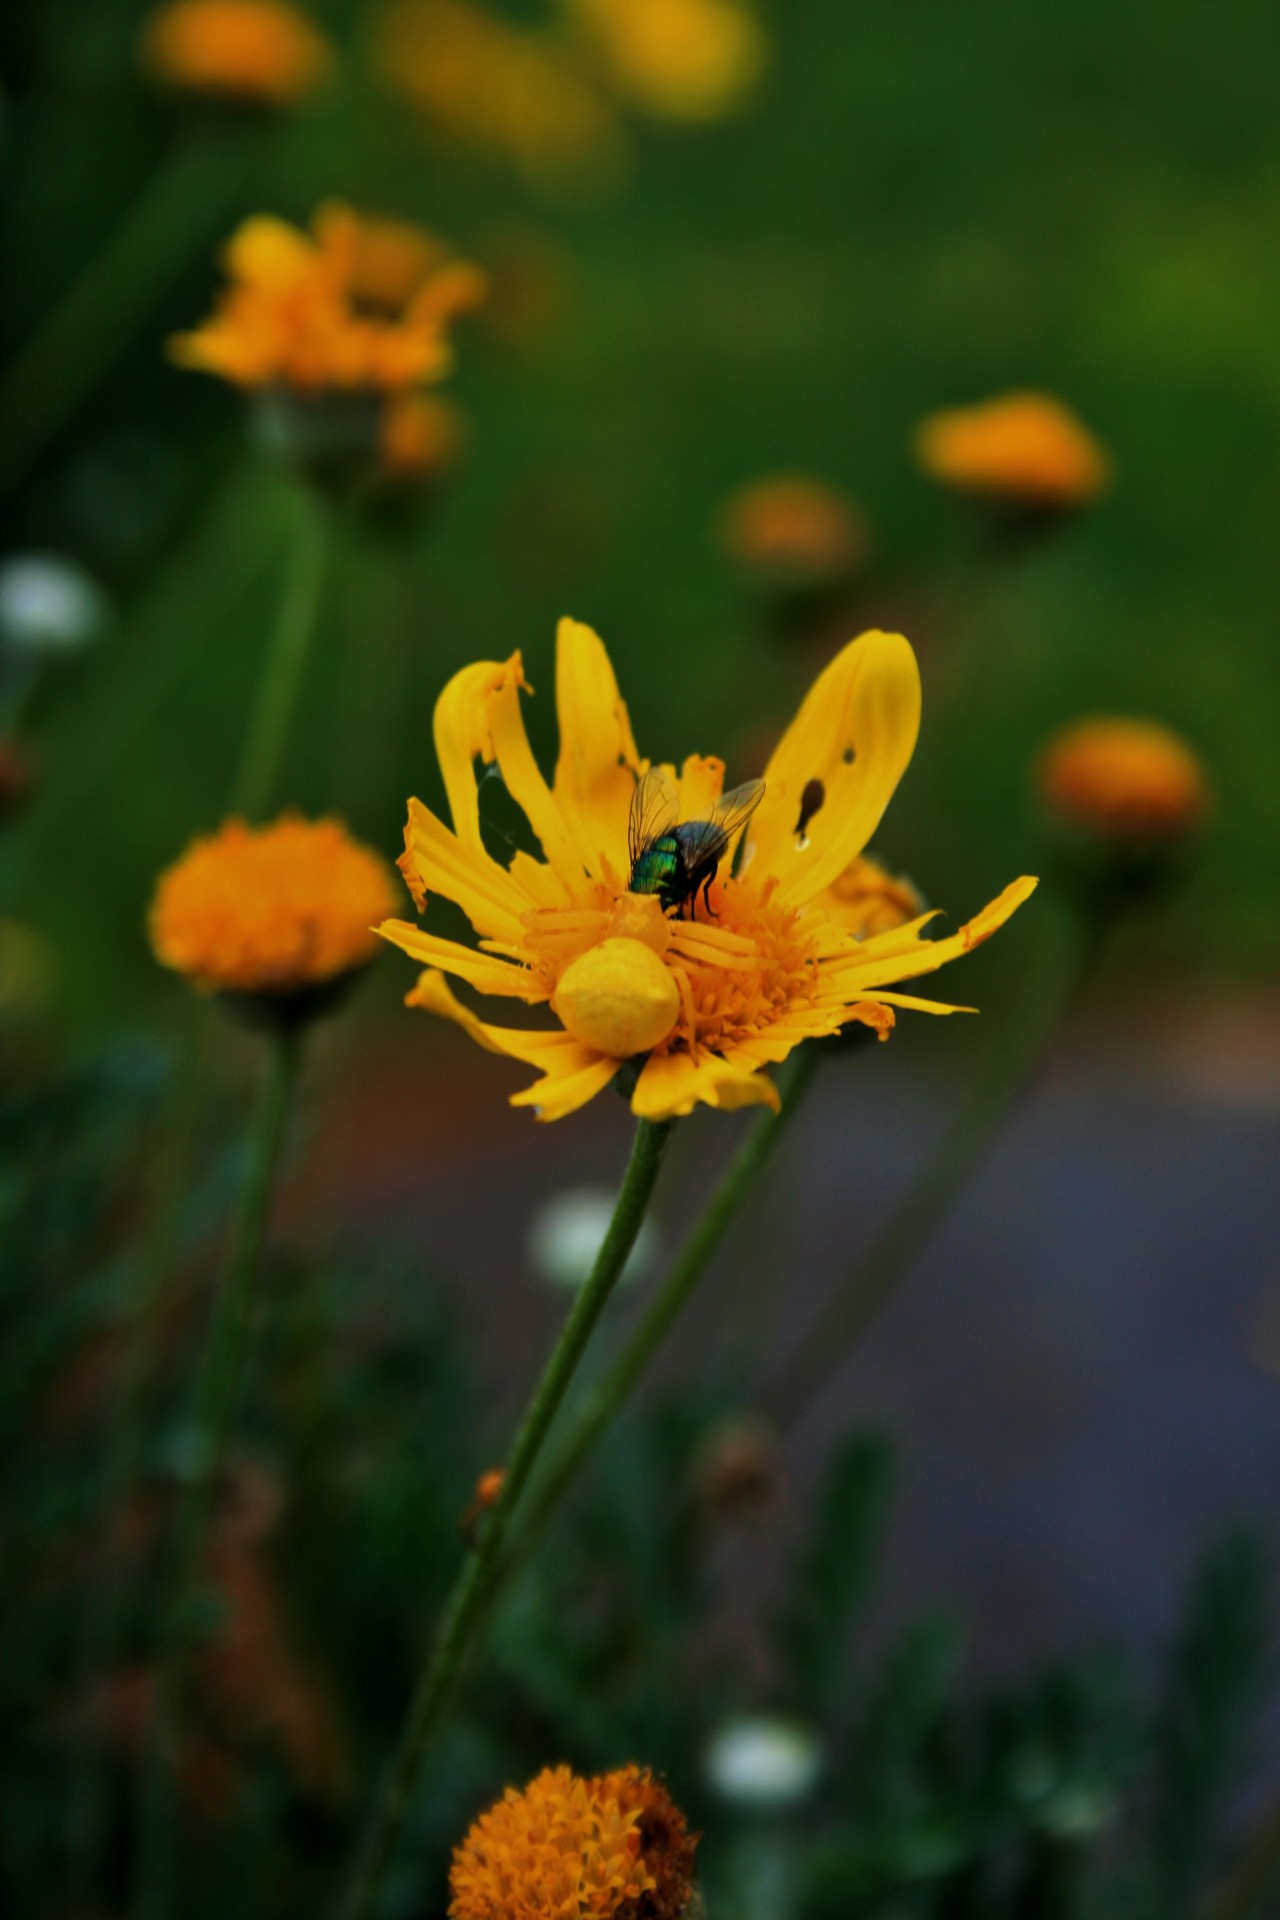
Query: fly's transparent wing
(655, 808)
(735, 808)
(706, 840)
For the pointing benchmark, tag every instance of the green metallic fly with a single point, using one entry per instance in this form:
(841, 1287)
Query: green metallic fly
(674, 858)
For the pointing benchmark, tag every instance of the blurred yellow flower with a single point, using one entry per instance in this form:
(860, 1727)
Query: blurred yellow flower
(789, 527)
(698, 1002)
(353, 306)
(484, 82)
(28, 971)
(1023, 449)
(686, 59)
(1126, 780)
(419, 439)
(270, 911)
(866, 900)
(261, 51)
(611, 1847)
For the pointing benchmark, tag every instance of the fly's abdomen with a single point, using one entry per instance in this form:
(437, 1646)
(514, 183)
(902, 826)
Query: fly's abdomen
(657, 869)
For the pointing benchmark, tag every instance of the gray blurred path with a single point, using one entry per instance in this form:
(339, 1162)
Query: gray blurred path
(1084, 1372)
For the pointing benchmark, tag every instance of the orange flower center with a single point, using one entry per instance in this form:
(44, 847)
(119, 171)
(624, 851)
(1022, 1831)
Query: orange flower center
(738, 968)
(613, 1847)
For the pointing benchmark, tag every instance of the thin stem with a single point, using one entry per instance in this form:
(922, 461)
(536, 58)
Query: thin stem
(1066, 956)
(173, 216)
(467, 1601)
(285, 659)
(123, 1443)
(236, 540)
(612, 1392)
(217, 1391)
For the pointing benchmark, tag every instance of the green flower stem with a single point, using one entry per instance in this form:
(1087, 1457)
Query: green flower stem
(610, 1395)
(217, 1391)
(1254, 1877)
(1067, 953)
(123, 1446)
(467, 1602)
(285, 659)
(236, 541)
(180, 207)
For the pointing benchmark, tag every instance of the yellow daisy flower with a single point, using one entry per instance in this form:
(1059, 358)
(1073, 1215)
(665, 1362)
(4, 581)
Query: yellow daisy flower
(353, 307)
(613, 1847)
(1124, 780)
(263, 52)
(1022, 449)
(698, 997)
(270, 911)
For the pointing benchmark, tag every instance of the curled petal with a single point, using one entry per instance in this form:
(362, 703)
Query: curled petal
(672, 1084)
(436, 861)
(571, 1073)
(463, 736)
(876, 965)
(483, 971)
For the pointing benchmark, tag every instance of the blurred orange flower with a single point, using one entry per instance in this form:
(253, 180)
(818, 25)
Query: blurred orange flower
(684, 59)
(270, 910)
(789, 526)
(611, 1847)
(1023, 449)
(484, 82)
(383, 263)
(263, 51)
(419, 439)
(356, 306)
(1126, 780)
(696, 1004)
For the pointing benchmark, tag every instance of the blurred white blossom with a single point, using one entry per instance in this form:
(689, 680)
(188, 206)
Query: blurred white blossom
(567, 1230)
(49, 605)
(763, 1763)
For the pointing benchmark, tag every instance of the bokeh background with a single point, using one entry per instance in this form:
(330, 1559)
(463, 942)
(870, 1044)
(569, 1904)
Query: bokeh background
(917, 206)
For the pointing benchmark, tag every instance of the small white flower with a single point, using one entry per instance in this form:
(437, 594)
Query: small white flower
(567, 1231)
(48, 604)
(764, 1763)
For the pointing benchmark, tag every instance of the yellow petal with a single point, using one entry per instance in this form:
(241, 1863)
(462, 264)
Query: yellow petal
(915, 1004)
(435, 860)
(269, 251)
(700, 786)
(571, 1073)
(480, 970)
(529, 790)
(598, 765)
(876, 964)
(461, 729)
(673, 1084)
(563, 1092)
(848, 747)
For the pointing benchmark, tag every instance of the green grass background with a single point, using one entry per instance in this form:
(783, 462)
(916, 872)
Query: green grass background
(927, 203)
